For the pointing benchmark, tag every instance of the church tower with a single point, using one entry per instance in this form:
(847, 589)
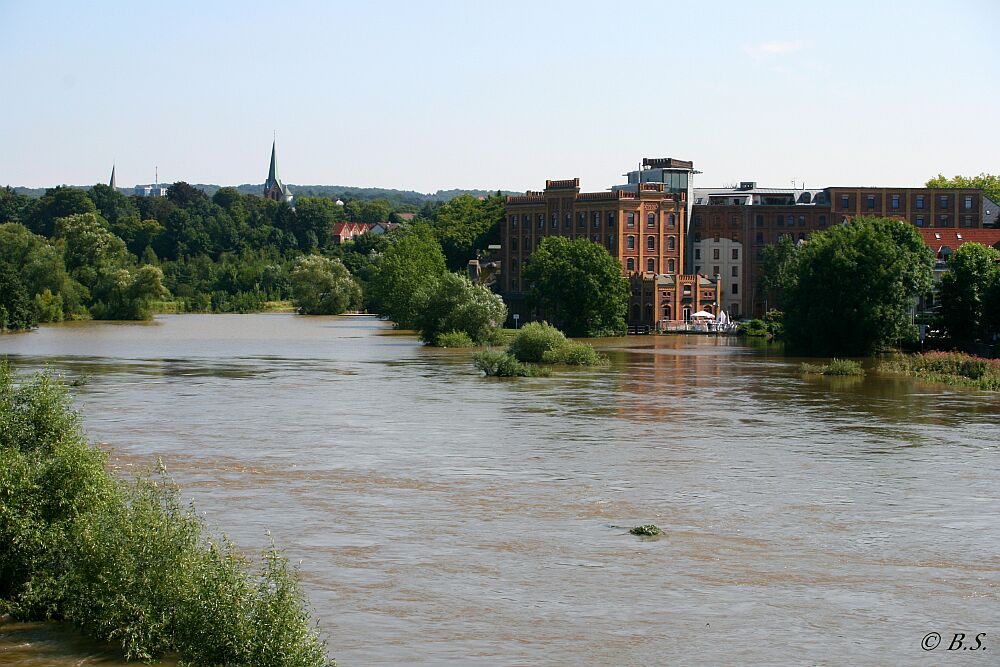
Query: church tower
(273, 187)
(112, 183)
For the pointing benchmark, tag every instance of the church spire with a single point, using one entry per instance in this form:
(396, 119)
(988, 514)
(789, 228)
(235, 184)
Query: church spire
(272, 174)
(273, 187)
(112, 183)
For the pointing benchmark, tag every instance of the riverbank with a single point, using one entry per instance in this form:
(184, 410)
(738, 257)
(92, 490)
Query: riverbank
(953, 368)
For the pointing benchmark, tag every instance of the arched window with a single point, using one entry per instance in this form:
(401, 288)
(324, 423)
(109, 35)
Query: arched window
(568, 222)
(555, 221)
(670, 266)
(651, 220)
(635, 312)
(650, 243)
(671, 220)
(651, 265)
(630, 242)
(630, 264)
(671, 242)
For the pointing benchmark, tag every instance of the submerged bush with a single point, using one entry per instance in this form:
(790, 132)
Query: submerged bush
(574, 354)
(842, 367)
(648, 529)
(534, 339)
(454, 339)
(126, 562)
(500, 364)
(752, 328)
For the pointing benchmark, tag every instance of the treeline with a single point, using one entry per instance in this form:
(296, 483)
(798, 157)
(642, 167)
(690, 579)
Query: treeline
(75, 253)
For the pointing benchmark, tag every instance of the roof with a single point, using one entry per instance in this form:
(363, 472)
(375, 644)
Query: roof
(701, 195)
(937, 238)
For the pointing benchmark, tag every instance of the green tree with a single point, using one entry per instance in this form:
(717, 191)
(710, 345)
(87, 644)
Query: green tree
(467, 224)
(578, 286)
(988, 183)
(412, 260)
(58, 203)
(966, 290)
(16, 309)
(13, 206)
(453, 303)
(322, 286)
(777, 268)
(113, 205)
(853, 288)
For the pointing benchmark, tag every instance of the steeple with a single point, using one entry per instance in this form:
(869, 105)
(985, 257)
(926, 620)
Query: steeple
(273, 187)
(272, 174)
(112, 183)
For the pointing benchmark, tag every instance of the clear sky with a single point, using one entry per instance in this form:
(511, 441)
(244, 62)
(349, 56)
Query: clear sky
(428, 95)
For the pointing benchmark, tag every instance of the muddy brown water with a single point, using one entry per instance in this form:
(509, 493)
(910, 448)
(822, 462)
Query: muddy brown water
(443, 518)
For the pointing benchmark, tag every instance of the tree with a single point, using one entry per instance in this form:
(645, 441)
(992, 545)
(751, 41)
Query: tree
(453, 303)
(467, 224)
(578, 286)
(322, 286)
(183, 194)
(58, 203)
(965, 292)
(412, 260)
(40, 266)
(13, 206)
(853, 288)
(777, 267)
(988, 183)
(16, 309)
(112, 205)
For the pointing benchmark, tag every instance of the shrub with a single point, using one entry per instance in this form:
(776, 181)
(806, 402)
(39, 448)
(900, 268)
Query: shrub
(453, 303)
(948, 367)
(574, 354)
(752, 328)
(500, 364)
(127, 562)
(454, 339)
(648, 529)
(533, 340)
(844, 367)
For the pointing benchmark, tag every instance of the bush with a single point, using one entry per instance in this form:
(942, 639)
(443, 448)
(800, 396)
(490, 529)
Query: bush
(752, 328)
(453, 303)
(127, 562)
(500, 364)
(533, 340)
(646, 530)
(843, 367)
(948, 367)
(454, 339)
(574, 354)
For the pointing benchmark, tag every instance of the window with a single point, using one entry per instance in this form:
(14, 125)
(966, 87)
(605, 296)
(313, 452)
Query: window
(697, 253)
(671, 220)
(760, 253)
(845, 201)
(611, 219)
(651, 220)
(895, 202)
(513, 245)
(780, 220)
(943, 201)
(697, 268)
(920, 201)
(696, 220)
(871, 202)
(541, 221)
(597, 219)
(630, 218)
(715, 253)
(920, 221)
(568, 221)
(555, 221)
(715, 270)
(630, 264)
(670, 266)
(650, 243)
(630, 242)
(671, 243)
(759, 221)
(966, 220)
(736, 289)
(527, 245)
(581, 219)
(736, 272)
(943, 221)
(697, 236)
(514, 264)
(968, 203)
(651, 265)
(513, 222)
(736, 253)
(760, 237)
(513, 284)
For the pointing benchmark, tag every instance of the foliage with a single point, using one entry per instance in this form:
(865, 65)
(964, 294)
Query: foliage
(465, 225)
(968, 293)
(534, 339)
(322, 286)
(57, 203)
(500, 364)
(988, 183)
(835, 367)
(574, 354)
(853, 287)
(777, 267)
(753, 329)
(648, 529)
(127, 562)
(49, 307)
(412, 260)
(947, 367)
(16, 311)
(454, 339)
(453, 303)
(578, 286)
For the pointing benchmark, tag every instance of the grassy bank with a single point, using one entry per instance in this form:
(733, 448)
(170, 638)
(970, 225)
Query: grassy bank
(841, 367)
(127, 561)
(952, 368)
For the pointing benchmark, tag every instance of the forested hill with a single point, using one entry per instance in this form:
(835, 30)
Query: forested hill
(344, 192)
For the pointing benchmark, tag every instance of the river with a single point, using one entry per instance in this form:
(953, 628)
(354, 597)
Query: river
(444, 518)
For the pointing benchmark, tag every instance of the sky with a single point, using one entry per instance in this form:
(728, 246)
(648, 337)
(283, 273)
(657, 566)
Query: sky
(427, 95)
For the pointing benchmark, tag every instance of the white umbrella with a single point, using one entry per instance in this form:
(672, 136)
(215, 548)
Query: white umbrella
(702, 313)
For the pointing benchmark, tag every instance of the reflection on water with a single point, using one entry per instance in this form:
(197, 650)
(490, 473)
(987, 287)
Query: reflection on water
(446, 518)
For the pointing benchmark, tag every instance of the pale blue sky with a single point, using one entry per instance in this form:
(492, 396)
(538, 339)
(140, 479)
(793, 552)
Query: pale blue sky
(429, 95)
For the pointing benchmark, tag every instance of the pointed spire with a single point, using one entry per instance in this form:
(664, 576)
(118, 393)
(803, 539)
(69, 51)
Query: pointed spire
(272, 174)
(112, 183)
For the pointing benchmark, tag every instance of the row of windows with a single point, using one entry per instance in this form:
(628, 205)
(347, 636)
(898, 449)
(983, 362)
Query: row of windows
(920, 202)
(581, 220)
(760, 237)
(629, 242)
(596, 238)
(943, 221)
(650, 265)
(715, 253)
(715, 270)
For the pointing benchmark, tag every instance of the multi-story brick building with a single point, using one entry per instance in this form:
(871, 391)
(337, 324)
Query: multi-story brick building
(643, 226)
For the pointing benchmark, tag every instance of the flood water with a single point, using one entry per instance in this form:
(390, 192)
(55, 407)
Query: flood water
(444, 518)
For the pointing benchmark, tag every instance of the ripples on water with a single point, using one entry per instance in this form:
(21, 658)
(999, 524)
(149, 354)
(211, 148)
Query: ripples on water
(446, 518)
